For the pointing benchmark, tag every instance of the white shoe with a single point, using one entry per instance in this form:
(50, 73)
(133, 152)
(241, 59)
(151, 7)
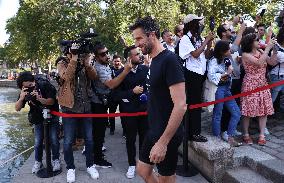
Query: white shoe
(37, 166)
(130, 172)
(93, 172)
(70, 175)
(266, 132)
(56, 165)
(225, 136)
(238, 133)
(84, 149)
(104, 148)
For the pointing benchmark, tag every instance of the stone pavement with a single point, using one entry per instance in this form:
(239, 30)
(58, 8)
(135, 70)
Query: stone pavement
(116, 154)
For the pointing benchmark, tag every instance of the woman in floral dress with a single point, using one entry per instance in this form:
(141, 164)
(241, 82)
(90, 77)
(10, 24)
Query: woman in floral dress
(257, 104)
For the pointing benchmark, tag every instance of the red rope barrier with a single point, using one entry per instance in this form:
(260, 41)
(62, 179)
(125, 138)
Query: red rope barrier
(205, 104)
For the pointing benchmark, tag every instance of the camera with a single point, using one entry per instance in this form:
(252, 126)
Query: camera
(84, 44)
(143, 97)
(29, 96)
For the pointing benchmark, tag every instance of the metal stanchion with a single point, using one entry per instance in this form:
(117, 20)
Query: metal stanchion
(47, 172)
(186, 169)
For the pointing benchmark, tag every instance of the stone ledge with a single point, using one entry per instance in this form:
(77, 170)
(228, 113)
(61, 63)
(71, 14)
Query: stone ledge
(214, 149)
(272, 169)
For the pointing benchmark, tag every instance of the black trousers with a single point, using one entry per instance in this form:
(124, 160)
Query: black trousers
(99, 128)
(194, 84)
(226, 115)
(112, 109)
(133, 126)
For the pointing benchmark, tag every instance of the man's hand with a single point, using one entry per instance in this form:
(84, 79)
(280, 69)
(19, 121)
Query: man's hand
(38, 97)
(128, 66)
(138, 90)
(209, 37)
(88, 59)
(158, 152)
(23, 93)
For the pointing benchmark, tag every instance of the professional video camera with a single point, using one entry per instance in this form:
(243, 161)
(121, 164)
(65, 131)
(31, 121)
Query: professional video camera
(84, 44)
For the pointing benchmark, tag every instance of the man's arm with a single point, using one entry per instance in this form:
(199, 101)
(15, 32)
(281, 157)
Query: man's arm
(178, 96)
(113, 83)
(20, 102)
(238, 39)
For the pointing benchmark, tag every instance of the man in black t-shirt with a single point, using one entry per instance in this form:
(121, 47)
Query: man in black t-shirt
(39, 94)
(166, 105)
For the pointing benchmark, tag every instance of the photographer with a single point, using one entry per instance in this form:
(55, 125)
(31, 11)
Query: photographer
(101, 88)
(38, 95)
(74, 96)
(132, 93)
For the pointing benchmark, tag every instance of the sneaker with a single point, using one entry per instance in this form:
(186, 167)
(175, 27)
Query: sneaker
(84, 149)
(104, 164)
(70, 175)
(56, 165)
(130, 172)
(37, 166)
(104, 148)
(266, 132)
(238, 133)
(225, 136)
(93, 172)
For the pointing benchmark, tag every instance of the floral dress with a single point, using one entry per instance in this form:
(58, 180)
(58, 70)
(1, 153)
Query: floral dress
(260, 103)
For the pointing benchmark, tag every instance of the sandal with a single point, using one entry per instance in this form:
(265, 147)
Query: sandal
(261, 140)
(234, 143)
(247, 140)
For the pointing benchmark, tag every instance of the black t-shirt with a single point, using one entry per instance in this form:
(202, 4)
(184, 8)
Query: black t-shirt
(35, 113)
(165, 71)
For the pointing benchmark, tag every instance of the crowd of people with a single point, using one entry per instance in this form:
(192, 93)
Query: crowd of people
(162, 74)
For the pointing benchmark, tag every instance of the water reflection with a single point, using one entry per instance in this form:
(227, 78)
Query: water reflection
(15, 134)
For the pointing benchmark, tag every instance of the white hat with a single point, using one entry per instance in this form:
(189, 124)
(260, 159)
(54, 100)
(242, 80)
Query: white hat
(191, 17)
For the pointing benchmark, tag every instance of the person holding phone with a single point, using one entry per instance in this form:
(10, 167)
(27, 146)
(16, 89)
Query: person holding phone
(220, 73)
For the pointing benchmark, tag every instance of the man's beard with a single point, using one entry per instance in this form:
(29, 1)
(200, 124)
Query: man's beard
(148, 48)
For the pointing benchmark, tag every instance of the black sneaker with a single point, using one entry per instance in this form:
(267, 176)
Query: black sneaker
(103, 164)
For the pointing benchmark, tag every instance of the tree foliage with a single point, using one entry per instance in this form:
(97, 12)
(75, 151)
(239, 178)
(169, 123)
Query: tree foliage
(39, 25)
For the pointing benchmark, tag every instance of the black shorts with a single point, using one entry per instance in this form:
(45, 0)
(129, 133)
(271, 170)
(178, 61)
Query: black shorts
(168, 166)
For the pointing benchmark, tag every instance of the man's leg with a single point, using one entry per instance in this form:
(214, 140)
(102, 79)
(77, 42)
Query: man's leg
(54, 138)
(131, 133)
(69, 125)
(87, 125)
(145, 171)
(38, 142)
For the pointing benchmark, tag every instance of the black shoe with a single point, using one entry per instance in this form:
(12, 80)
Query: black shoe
(198, 138)
(111, 132)
(103, 164)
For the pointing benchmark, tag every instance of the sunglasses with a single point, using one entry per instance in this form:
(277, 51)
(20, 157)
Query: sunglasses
(103, 54)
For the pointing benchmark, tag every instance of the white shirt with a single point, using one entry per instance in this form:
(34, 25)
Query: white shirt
(280, 59)
(169, 47)
(197, 65)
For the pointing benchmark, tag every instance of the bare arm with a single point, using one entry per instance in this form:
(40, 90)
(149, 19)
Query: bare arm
(198, 52)
(258, 62)
(238, 39)
(178, 96)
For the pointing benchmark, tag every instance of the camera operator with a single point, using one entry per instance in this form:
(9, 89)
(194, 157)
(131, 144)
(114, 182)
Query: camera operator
(132, 93)
(38, 95)
(101, 88)
(74, 96)
(196, 52)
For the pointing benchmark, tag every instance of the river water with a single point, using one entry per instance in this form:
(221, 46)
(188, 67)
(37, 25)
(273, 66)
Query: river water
(15, 134)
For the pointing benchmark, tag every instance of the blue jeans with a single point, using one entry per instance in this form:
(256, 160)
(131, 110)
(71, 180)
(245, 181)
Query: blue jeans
(70, 125)
(275, 91)
(39, 135)
(231, 105)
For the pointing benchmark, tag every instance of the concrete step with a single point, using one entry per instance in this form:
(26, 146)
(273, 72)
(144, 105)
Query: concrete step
(243, 175)
(272, 170)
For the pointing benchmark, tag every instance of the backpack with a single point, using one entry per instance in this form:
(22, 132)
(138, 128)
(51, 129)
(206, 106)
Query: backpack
(44, 82)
